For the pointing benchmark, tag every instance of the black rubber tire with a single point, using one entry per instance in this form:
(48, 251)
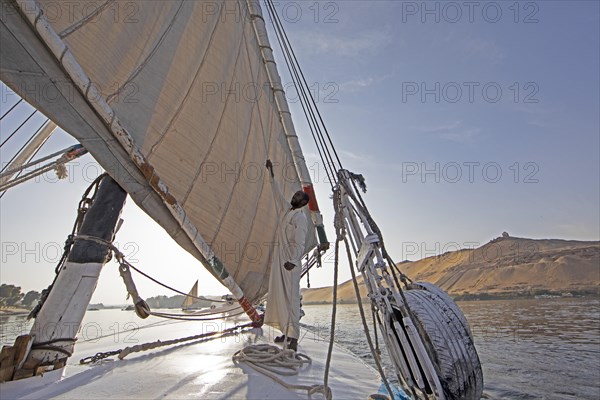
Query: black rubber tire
(448, 340)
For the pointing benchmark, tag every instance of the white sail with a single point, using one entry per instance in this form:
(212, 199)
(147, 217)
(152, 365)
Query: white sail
(175, 101)
(190, 299)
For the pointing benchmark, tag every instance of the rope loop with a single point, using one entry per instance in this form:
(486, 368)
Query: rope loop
(272, 361)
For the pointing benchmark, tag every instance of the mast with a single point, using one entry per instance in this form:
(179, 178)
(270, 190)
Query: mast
(52, 337)
(285, 116)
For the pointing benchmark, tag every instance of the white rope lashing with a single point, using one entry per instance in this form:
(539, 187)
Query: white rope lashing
(68, 154)
(272, 361)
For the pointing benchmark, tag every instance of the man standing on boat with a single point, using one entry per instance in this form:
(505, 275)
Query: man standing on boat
(283, 303)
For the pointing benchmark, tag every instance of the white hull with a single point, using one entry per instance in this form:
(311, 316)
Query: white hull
(193, 370)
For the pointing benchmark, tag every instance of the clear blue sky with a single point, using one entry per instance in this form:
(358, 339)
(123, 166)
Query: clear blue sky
(466, 120)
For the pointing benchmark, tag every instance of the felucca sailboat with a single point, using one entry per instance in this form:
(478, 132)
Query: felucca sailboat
(154, 97)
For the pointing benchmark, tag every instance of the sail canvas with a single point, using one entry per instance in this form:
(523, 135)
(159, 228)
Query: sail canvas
(188, 84)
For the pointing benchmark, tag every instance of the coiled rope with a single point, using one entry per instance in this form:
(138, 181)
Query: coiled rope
(272, 361)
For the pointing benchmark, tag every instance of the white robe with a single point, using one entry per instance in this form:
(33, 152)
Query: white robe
(283, 301)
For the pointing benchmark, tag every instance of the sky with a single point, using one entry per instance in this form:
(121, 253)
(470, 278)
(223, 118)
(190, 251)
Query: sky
(467, 119)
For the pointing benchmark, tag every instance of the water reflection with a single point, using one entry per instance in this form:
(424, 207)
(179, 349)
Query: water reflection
(529, 349)
(12, 326)
(546, 348)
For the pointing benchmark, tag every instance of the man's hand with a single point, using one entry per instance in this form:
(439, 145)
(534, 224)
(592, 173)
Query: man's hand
(323, 246)
(269, 166)
(289, 266)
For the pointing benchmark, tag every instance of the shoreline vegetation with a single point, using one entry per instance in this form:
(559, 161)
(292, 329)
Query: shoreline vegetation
(539, 294)
(13, 311)
(585, 294)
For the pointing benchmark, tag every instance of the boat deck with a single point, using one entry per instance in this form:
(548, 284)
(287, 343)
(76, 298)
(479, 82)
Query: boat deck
(199, 369)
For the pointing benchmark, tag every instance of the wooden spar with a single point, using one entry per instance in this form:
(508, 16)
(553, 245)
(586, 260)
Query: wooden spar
(286, 117)
(29, 150)
(60, 317)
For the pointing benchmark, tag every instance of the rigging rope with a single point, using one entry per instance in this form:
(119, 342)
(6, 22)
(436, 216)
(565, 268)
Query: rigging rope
(19, 127)
(154, 345)
(23, 147)
(33, 155)
(14, 105)
(325, 149)
(183, 317)
(141, 307)
(310, 118)
(289, 51)
(339, 229)
(364, 321)
(30, 163)
(117, 333)
(306, 99)
(122, 353)
(173, 289)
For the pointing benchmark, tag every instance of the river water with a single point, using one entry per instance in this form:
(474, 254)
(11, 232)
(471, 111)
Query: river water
(529, 349)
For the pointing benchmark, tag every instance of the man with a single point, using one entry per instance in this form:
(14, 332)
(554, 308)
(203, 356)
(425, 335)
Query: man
(283, 303)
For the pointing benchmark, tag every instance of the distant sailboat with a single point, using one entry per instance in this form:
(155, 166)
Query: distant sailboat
(192, 302)
(190, 299)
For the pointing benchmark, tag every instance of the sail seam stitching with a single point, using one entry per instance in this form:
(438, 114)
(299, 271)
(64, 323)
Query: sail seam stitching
(184, 100)
(154, 50)
(210, 147)
(270, 260)
(238, 179)
(67, 31)
(267, 146)
(257, 110)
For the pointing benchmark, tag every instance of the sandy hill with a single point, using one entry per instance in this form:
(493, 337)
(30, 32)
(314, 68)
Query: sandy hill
(345, 294)
(504, 266)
